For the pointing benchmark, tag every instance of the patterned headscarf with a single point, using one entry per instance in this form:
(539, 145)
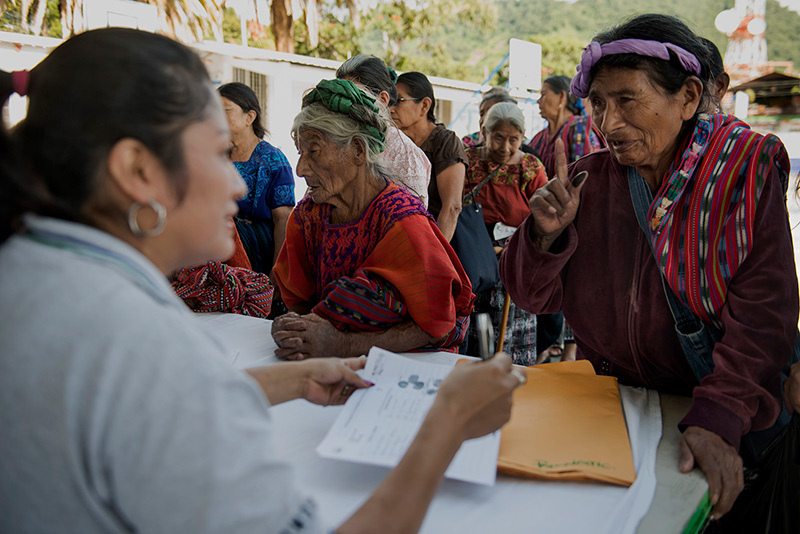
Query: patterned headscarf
(342, 96)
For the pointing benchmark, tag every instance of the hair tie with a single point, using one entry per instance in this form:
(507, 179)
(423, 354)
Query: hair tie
(579, 106)
(19, 81)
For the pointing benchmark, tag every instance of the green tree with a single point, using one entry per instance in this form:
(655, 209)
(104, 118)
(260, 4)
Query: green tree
(188, 20)
(37, 17)
(781, 34)
(412, 36)
(337, 39)
(560, 54)
(283, 22)
(185, 20)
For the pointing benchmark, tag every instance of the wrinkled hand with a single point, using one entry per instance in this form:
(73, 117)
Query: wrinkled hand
(719, 461)
(554, 205)
(300, 337)
(791, 390)
(477, 395)
(331, 381)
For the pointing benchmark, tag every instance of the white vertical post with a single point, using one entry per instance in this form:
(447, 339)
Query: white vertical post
(740, 104)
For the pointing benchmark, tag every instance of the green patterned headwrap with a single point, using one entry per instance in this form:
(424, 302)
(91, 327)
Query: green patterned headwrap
(342, 96)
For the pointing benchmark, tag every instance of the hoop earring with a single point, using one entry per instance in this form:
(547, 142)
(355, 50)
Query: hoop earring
(161, 222)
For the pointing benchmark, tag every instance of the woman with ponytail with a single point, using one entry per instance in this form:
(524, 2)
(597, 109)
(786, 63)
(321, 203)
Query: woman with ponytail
(118, 410)
(566, 120)
(413, 112)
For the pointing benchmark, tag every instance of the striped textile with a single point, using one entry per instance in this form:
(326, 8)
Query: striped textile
(580, 137)
(521, 327)
(216, 287)
(361, 303)
(367, 303)
(701, 219)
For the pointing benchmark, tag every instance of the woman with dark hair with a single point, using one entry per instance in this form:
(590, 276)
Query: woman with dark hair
(263, 212)
(413, 112)
(122, 415)
(566, 120)
(403, 161)
(677, 272)
(719, 80)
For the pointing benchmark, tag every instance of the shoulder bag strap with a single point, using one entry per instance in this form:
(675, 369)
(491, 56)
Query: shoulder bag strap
(686, 322)
(470, 197)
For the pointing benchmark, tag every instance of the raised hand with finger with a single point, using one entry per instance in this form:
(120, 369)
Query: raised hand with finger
(555, 204)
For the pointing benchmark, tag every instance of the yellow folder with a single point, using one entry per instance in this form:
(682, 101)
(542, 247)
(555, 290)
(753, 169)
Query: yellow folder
(567, 424)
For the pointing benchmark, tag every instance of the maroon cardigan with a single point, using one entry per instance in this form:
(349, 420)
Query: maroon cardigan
(602, 274)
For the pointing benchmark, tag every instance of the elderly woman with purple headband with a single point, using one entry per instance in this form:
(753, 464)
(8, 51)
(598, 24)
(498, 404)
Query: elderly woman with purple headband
(682, 222)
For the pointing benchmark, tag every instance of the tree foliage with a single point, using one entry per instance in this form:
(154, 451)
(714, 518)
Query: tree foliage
(585, 18)
(462, 39)
(560, 53)
(783, 27)
(37, 17)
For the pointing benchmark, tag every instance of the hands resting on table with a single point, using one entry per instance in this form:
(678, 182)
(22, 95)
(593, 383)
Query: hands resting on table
(474, 400)
(300, 337)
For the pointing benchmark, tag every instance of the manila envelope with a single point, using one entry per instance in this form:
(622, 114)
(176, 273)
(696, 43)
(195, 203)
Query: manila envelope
(567, 424)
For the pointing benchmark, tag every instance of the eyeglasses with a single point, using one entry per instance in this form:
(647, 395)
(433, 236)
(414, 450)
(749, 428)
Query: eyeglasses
(396, 102)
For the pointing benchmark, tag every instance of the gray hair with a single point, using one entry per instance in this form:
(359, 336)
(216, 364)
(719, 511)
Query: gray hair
(504, 112)
(342, 130)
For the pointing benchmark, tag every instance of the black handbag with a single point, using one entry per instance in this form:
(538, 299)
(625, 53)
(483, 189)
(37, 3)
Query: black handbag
(472, 243)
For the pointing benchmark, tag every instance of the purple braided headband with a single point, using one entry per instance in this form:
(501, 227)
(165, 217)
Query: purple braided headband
(592, 54)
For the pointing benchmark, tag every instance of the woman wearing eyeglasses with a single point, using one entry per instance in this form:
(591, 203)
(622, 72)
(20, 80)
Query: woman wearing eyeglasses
(412, 112)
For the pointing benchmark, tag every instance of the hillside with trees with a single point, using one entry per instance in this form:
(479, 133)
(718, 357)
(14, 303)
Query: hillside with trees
(563, 29)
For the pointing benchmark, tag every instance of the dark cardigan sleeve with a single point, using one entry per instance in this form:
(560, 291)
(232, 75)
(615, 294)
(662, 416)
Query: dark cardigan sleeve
(533, 278)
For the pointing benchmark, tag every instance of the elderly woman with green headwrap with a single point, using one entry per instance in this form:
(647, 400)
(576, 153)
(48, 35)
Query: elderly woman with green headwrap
(364, 264)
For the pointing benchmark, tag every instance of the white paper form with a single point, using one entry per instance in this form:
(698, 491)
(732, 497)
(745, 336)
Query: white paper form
(378, 424)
